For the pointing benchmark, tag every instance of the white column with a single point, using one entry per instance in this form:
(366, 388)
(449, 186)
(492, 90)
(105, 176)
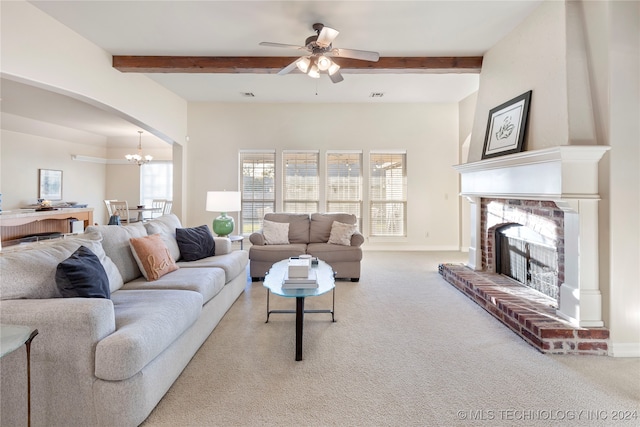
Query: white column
(475, 251)
(580, 297)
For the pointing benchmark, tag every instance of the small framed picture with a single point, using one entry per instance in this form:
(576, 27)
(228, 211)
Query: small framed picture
(507, 127)
(50, 184)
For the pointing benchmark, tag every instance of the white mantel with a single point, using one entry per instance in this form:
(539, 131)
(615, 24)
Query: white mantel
(568, 176)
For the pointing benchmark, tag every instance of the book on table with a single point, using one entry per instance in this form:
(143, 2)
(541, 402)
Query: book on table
(309, 282)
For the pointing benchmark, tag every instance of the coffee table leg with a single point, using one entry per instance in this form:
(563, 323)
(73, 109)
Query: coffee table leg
(299, 324)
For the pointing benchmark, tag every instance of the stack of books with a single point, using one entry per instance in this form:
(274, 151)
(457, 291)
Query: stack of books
(299, 275)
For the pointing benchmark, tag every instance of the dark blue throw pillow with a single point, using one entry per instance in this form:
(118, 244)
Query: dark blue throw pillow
(195, 243)
(82, 275)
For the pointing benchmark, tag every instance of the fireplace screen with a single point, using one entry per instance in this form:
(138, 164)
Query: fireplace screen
(527, 257)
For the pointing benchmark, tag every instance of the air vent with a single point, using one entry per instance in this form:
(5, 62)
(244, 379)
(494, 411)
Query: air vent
(376, 95)
(248, 94)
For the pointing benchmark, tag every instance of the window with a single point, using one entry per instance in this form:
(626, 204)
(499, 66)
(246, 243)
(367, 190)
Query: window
(300, 184)
(258, 187)
(388, 194)
(156, 181)
(344, 183)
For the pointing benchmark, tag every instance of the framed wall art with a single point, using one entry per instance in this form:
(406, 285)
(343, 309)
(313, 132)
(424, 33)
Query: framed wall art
(507, 127)
(50, 184)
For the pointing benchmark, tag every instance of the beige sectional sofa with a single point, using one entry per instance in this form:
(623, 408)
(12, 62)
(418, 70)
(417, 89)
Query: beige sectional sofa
(308, 234)
(109, 361)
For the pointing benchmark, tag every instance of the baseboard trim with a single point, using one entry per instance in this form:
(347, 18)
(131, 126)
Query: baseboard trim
(624, 349)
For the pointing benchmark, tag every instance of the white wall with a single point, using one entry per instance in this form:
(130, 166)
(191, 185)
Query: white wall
(24, 154)
(429, 133)
(531, 57)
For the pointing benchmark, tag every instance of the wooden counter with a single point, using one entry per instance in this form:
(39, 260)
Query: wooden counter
(16, 224)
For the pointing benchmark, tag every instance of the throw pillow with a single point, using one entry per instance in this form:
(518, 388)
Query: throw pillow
(153, 256)
(341, 233)
(275, 233)
(82, 276)
(195, 243)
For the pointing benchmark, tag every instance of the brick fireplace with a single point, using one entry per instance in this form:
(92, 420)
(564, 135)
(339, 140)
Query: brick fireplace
(554, 192)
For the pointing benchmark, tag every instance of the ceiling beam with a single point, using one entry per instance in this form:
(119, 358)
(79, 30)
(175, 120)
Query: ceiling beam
(273, 64)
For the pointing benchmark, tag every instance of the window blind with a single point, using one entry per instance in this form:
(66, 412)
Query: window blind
(301, 181)
(388, 194)
(344, 183)
(258, 188)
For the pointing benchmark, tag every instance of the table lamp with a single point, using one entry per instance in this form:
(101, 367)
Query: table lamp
(223, 202)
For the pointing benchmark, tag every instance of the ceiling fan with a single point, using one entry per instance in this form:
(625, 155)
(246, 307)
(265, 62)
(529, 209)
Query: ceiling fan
(321, 51)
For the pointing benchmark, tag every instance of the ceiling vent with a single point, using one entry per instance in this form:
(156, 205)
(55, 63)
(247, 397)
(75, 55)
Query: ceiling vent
(248, 94)
(376, 95)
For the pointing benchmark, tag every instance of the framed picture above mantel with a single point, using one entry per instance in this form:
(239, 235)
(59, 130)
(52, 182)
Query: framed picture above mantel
(507, 127)
(50, 187)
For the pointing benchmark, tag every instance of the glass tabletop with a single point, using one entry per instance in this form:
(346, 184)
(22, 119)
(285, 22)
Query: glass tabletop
(275, 277)
(13, 337)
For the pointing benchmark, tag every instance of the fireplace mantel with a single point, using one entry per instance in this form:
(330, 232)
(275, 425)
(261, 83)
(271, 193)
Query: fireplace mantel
(566, 172)
(568, 176)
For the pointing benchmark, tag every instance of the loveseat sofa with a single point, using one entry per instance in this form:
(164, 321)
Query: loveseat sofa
(331, 237)
(109, 361)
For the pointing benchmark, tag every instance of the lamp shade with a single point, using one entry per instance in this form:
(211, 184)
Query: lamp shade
(223, 201)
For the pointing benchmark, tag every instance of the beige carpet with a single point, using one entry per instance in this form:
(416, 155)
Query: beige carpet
(407, 350)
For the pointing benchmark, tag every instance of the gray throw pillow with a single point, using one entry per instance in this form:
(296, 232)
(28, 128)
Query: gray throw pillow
(195, 243)
(82, 276)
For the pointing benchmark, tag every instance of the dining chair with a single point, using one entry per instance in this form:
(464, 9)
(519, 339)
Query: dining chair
(167, 207)
(158, 206)
(120, 208)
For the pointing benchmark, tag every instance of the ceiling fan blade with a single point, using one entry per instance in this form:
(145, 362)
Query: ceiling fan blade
(364, 55)
(286, 46)
(336, 77)
(326, 36)
(289, 68)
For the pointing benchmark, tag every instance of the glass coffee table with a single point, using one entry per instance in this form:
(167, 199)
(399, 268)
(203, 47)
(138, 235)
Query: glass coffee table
(326, 282)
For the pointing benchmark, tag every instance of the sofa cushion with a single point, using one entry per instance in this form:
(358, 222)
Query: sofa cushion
(115, 241)
(341, 233)
(147, 322)
(334, 253)
(166, 226)
(29, 271)
(298, 225)
(320, 228)
(233, 263)
(195, 243)
(275, 233)
(82, 275)
(153, 256)
(206, 281)
(275, 253)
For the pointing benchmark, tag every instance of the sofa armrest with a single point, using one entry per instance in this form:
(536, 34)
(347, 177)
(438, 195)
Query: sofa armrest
(223, 245)
(68, 328)
(257, 238)
(357, 239)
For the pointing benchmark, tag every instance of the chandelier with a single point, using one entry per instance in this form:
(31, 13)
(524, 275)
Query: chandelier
(137, 158)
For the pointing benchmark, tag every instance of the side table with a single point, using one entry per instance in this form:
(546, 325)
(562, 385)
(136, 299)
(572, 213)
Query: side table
(237, 239)
(13, 337)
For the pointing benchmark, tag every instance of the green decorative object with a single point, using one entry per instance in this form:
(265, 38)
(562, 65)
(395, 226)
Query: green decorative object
(223, 225)
(223, 202)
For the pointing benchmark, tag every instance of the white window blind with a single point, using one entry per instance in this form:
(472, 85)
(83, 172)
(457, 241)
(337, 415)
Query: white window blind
(344, 183)
(300, 181)
(156, 181)
(388, 194)
(258, 188)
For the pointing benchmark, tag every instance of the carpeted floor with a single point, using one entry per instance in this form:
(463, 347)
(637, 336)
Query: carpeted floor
(407, 349)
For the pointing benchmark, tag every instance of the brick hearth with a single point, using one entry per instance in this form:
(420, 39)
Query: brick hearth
(528, 313)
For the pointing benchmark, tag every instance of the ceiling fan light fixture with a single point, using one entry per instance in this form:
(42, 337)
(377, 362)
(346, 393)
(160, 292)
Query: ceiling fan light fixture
(303, 64)
(324, 63)
(314, 72)
(333, 68)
